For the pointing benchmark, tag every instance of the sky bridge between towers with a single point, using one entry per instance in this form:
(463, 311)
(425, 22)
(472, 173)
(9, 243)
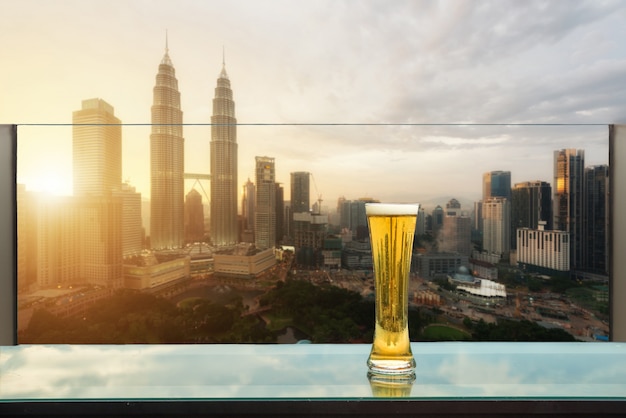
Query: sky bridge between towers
(197, 177)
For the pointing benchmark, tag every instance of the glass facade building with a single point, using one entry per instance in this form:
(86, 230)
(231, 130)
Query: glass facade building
(569, 168)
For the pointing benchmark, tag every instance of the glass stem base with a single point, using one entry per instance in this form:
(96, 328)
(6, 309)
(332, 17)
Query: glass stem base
(387, 366)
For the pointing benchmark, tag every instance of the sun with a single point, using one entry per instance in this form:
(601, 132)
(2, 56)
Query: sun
(44, 160)
(49, 183)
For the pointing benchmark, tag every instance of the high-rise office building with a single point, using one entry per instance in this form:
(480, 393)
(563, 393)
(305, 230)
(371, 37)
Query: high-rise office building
(100, 238)
(224, 222)
(280, 213)
(132, 229)
(96, 149)
(568, 186)
(497, 226)
(58, 248)
(265, 211)
(167, 160)
(248, 202)
(531, 202)
(300, 192)
(300, 196)
(497, 184)
(97, 163)
(477, 222)
(420, 225)
(354, 218)
(596, 220)
(343, 211)
(194, 217)
(437, 216)
(453, 207)
(310, 230)
(456, 230)
(287, 215)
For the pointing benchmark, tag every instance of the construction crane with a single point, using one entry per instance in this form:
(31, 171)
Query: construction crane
(319, 196)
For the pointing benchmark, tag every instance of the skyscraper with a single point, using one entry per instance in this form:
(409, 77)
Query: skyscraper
(96, 149)
(300, 192)
(248, 202)
(456, 230)
(132, 229)
(58, 242)
(531, 202)
(280, 213)
(100, 238)
(265, 211)
(420, 225)
(569, 167)
(596, 220)
(97, 163)
(477, 222)
(497, 226)
(223, 164)
(497, 184)
(437, 215)
(167, 160)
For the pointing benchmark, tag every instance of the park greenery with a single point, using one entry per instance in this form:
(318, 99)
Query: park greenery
(521, 331)
(133, 317)
(323, 313)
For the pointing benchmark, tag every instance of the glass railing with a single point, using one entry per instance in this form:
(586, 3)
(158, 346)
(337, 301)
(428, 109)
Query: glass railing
(484, 190)
(521, 376)
(470, 371)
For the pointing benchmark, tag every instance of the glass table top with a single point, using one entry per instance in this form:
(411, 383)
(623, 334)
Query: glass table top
(310, 371)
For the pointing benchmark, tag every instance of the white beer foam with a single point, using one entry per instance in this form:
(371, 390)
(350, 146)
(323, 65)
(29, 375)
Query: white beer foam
(391, 208)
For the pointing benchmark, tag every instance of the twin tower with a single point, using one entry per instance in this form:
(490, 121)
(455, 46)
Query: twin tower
(167, 160)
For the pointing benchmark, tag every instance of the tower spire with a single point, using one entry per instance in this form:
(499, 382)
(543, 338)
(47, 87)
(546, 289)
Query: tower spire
(223, 74)
(166, 57)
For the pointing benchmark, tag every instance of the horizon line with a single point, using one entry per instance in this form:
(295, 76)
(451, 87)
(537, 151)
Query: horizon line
(313, 124)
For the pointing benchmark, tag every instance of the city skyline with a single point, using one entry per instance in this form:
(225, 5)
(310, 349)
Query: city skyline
(300, 88)
(355, 182)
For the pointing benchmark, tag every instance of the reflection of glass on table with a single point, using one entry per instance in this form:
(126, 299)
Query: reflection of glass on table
(391, 386)
(392, 228)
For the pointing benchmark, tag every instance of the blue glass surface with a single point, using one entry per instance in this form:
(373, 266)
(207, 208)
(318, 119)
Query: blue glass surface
(311, 371)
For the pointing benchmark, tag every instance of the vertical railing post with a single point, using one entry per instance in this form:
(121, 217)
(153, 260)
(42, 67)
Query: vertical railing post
(617, 222)
(8, 236)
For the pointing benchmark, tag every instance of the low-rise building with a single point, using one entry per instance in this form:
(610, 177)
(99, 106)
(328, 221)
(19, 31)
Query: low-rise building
(152, 272)
(464, 281)
(357, 255)
(483, 269)
(430, 265)
(244, 260)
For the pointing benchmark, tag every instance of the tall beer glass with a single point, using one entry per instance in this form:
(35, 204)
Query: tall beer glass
(392, 228)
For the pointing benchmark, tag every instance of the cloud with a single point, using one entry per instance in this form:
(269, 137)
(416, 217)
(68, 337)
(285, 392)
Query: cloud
(335, 62)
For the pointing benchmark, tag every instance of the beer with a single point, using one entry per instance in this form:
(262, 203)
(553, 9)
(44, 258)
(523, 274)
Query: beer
(392, 228)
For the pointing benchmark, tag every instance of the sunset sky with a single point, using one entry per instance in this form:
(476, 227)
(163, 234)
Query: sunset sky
(331, 87)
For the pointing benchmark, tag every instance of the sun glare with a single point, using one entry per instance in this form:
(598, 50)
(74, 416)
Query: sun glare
(50, 183)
